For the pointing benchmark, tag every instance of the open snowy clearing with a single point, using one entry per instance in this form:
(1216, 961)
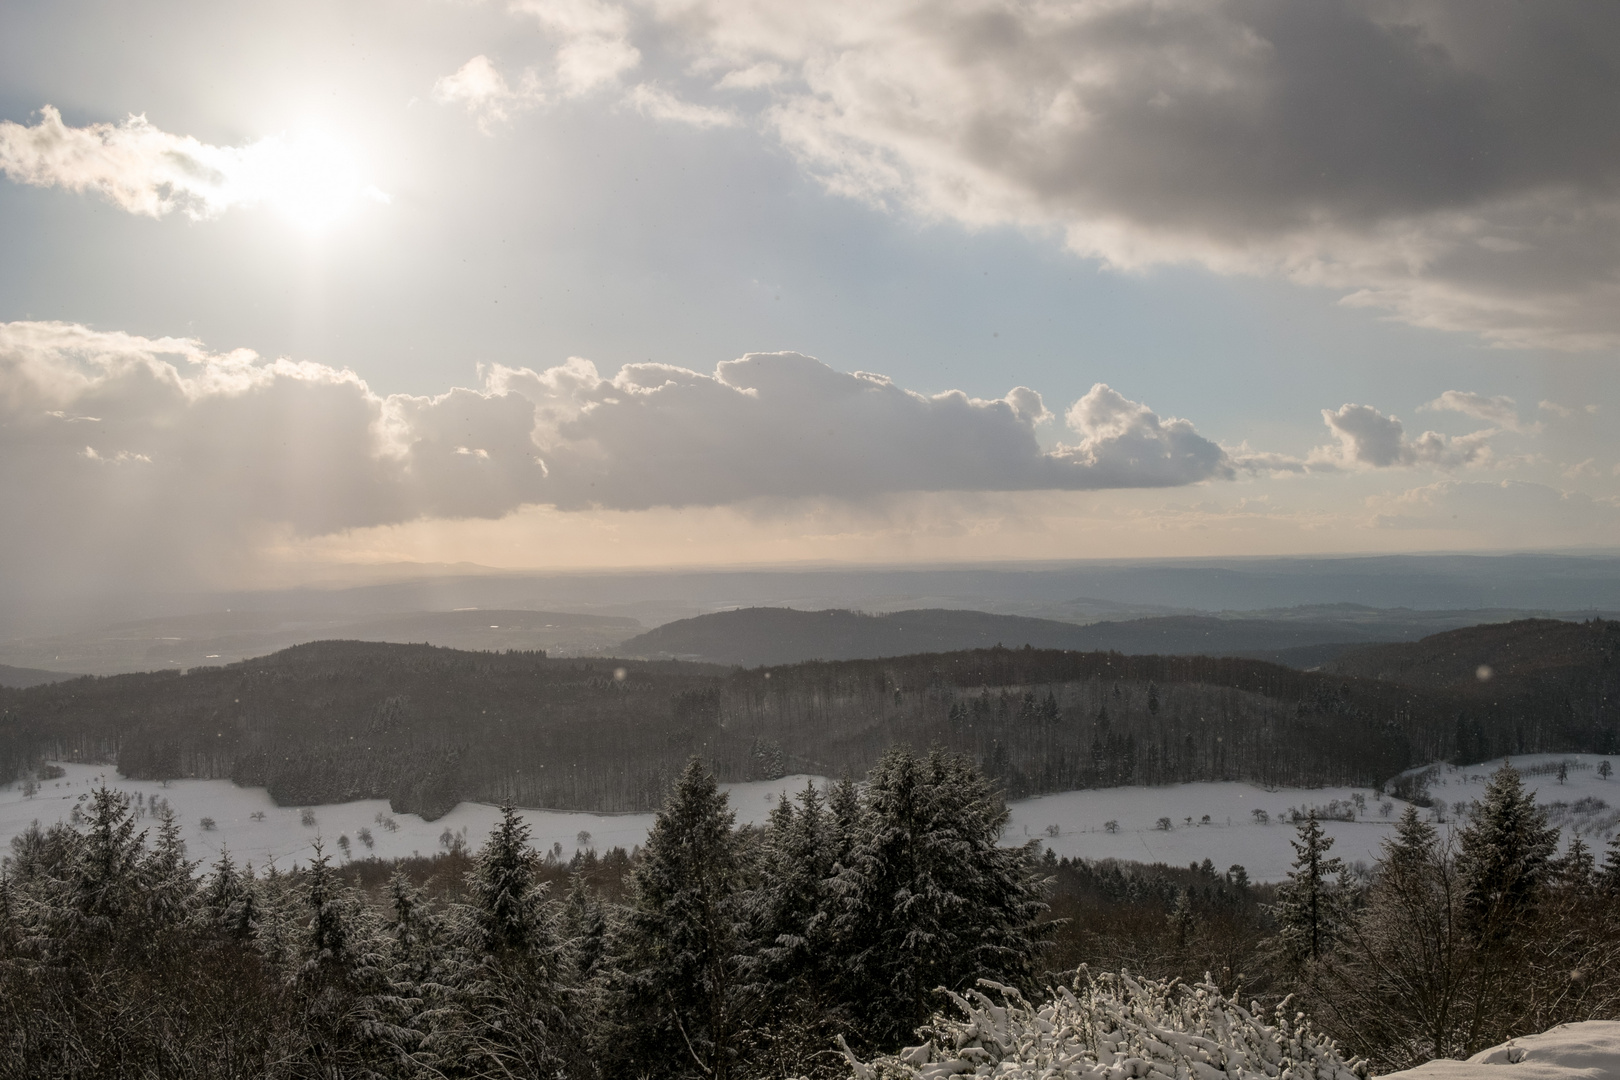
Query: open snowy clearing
(248, 823)
(1584, 1051)
(1584, 803)
(1074, 823)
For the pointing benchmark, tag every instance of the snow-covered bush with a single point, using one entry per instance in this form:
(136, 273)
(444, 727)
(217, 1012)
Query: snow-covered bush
(1113, 1027)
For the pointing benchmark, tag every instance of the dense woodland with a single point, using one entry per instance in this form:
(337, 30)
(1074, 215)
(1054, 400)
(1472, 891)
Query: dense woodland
(427, 727)
(722, 953)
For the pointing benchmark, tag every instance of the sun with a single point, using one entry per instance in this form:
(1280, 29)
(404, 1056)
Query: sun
(312, 180)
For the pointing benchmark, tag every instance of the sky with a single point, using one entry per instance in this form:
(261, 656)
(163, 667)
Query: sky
(599, 283)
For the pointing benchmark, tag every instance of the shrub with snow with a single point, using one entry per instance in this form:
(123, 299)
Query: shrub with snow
(1114, 1027)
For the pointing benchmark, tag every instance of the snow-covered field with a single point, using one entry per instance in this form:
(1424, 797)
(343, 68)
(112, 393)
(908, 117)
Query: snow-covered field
(1074, 823)
(1585, 803)
(280, 834)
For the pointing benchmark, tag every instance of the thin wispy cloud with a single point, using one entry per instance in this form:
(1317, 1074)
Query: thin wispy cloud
(480, 88)
(1501, 411)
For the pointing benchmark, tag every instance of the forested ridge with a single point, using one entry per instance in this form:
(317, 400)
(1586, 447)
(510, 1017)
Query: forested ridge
(427, 727)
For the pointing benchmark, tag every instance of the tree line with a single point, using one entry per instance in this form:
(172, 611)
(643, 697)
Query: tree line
(730, 951)
(1447, 944)
(719, 952)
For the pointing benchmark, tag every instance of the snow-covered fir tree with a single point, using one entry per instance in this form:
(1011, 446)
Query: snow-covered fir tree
(682, 963)
(1505, 855)
(513, 1020)
(1310, 906)
(928, 897)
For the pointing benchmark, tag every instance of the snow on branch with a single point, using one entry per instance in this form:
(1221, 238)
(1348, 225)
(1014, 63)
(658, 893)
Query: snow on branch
(1113, 1027)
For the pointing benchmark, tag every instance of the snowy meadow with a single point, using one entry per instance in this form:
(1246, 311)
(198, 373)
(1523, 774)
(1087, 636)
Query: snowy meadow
(1227, 823)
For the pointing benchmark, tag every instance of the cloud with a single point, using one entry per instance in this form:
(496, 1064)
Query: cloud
(1126, 445)
(1368, 439)
(1509, 511)
(785, 425)
(1564, 412)
(1449, 161)
(660, 104)
(1500, 411)
(479, 87)
(592, 38)
(147, 171)
(194, 457)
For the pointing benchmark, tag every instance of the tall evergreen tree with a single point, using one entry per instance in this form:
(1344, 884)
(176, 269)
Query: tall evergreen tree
(929, 897)
(682, 960)
(1505, 855)
(798, 975)
(1608, 878)
(1310, 906)
(514, 1020)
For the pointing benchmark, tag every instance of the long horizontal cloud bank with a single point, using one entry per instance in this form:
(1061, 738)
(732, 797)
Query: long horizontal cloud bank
(162, 444)
(1450, 160)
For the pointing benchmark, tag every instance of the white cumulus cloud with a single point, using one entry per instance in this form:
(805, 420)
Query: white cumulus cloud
(1369, 439)
(145, 170)
(119, 452)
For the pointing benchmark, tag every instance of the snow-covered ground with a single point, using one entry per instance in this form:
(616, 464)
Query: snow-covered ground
(1585, 803)
(1584, 1051)
(281, 835)
(1074, 823)
(1231, 834)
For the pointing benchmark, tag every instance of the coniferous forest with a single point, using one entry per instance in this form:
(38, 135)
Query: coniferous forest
(827, 936)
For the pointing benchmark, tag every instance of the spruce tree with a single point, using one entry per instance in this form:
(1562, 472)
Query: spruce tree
(682, 963)
(1608, 879)
(513, 1020)
(105, 876)
(506, 902)
(1505, 854)
(1310, 908)
(798, 976)
(929, 897)
(1573, 874)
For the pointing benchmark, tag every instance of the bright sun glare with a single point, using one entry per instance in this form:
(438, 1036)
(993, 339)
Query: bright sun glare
(312, 180)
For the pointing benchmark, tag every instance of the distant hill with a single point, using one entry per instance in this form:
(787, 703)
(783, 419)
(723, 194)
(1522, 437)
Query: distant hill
(1515, 653)
(753, 637)
(1527, 669)
(20, 676)
(223, 637)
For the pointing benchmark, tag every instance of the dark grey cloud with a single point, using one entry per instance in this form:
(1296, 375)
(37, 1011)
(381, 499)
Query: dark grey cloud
(1451, 160)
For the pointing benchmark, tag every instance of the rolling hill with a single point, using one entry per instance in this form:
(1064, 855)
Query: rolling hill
(427, 727)
(20, 677)
(755, 637)
(223, 637)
